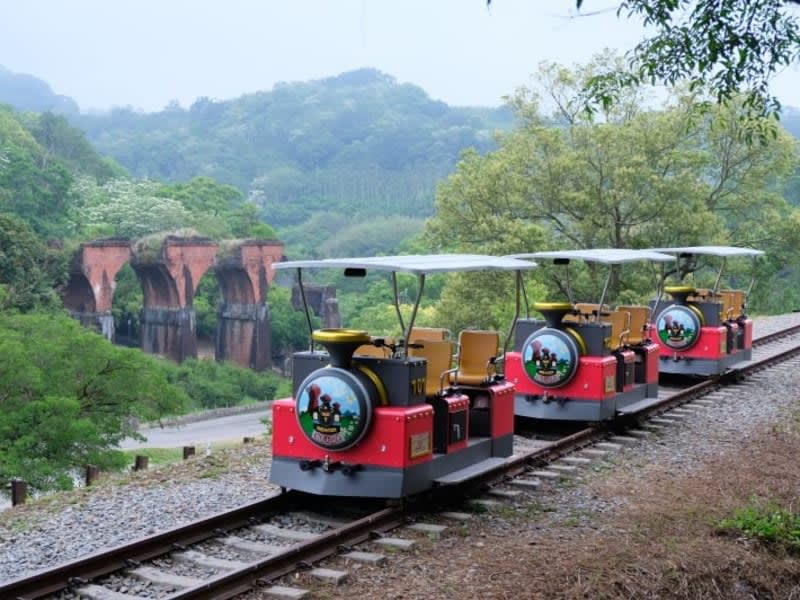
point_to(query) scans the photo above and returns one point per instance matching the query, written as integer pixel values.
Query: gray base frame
(702, 366)
(581, 410)
(382, 482)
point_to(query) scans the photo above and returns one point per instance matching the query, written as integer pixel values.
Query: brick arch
(169, 277)
(90, 289)
(159, 288)
(78, 295)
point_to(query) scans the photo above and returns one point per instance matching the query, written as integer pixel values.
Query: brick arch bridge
(169, 276)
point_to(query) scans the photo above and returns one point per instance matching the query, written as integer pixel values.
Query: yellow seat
(736, 304)
(438, 354)
(571, 318)
(701, 295)
(590, 311)
(739, 303)
(375, 351)
(620, 327)
(478, 351)
(639, 323)
(434, 334)
(726, 307)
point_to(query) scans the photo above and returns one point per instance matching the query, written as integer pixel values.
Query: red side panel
(399, 437)
(595, 379)
(748, 332)
(458, 404)
(710, 345)
(502, 407)
(629, 359)
(651, 363)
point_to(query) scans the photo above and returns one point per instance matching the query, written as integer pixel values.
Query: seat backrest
(477, 353)
(428, 333)
(701, 295)
(736, 298)
(376, 351)
(727, 308)
(739, 302)
(590, 311)
(439, 354)
(571, 318)
(619, 320)
(639, 322)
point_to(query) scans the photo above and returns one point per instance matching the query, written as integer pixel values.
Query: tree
(377, 236)
(491, 301)
(125, 208)
(62, 142)
(288, 327)
(26, 282)
(212, 385)
(637, 178)
(217, 210)
(31, 187)
(67, 398)
(732, 46)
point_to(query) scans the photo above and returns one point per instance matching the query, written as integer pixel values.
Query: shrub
(766, 522)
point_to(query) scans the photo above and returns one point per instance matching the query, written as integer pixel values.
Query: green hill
(359, 145)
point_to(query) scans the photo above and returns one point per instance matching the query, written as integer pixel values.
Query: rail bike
(585, 361)
(703, 330)
(375, 417)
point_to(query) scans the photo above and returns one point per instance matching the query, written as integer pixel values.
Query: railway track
(229, 553)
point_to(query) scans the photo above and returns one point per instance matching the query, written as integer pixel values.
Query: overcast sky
(145, 53)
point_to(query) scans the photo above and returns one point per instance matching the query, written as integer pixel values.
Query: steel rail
(771, 337)
(236, 582)
(104, 562)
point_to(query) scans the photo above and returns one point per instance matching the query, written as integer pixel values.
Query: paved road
(200, 433)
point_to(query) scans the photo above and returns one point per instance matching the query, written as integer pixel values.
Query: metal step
(640, 405)
(469, 472)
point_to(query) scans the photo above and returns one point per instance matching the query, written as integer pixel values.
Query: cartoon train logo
(333, 409)
(550, 357)
(678, 327)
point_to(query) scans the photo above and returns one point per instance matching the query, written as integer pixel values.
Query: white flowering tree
(125, 208)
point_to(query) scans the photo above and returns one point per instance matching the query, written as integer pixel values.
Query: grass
(156, 456)
(766, 522)
(168, 456)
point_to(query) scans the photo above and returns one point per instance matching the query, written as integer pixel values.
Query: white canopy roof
(609, 256)
(416, 264)
(712, 250)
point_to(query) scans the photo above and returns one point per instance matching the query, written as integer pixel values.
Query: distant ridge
(790, 119)
(30, 94)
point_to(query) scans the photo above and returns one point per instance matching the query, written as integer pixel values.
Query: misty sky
(145, 53)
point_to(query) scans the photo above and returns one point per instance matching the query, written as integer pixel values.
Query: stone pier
(322, 300)
(244, 274)
(169, 275)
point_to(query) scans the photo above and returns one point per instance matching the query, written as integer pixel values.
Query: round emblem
(550, 357)
(678, 326)
(333, 408)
